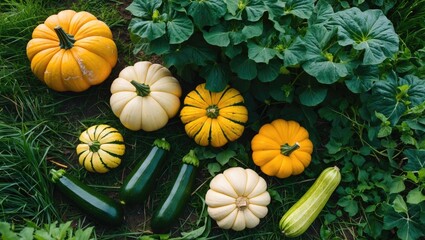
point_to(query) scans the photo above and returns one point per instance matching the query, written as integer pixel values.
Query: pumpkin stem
(66, 41)
(94, 146)
(241, 202)
(286, 150)
(141, 88)
(191, 158)
(213, 111)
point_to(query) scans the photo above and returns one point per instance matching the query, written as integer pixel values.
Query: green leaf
(244, 67)
(323, 12)
(179, 29)
(216, 75)
(268, 72)
(370, 31)
(416, 88)
(223, 35)
(400, 205)
(358, 160)
(214, 168)
(192, 53)
(415, 196)
(233, 51)
(275, 8)
(320, 63)
(224, 156)
(144, 8)
(300, 8)
(26, 233)
(397, 185)
(349, 205)
(293, 50)
(408, 225)
(260, 54)
(217, 35)
(7, 233)
(147, 28)
(385, 131)
(385, 99)
(363, 78)
(207, 13)
(275, 195)
(415, 159)
(254, 9)
(374, 226)
(312, 96)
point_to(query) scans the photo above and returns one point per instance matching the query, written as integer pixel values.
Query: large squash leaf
(363, 78)
(231, 34)
(395, 95)
(406, 219)
(300, 8)
(151, 24)
(369, 31)
(321, 59)
(206, 13)
(254, 9)
(216, 76)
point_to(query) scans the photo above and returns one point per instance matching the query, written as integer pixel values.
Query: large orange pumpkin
(72, 51)
(282, 148)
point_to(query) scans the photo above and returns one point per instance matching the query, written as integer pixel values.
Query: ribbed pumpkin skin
(237, 199)
(145, 96)
(268, 145)
(101, 148)
(88, 62)
(214, 118)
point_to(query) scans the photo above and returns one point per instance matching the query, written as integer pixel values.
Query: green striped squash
(101, 148)
(302, 214)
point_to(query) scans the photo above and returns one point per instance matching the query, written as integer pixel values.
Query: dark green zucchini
(95, 204)
(171, 208)
(138, 184)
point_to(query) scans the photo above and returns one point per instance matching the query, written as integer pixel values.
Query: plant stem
(66, 41)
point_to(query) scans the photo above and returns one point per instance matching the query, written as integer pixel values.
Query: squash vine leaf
(395, 96)
(370, 31)
(300, 8)
(206, 13)
(415, 159)
(406, 219)
(323, 56)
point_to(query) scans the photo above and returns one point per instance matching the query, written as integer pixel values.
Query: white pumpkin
(237, 199)
(145, 96)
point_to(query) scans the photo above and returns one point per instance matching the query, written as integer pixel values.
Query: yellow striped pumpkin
(214, 118)
(101, 148)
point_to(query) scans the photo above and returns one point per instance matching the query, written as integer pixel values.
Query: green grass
(408, 18)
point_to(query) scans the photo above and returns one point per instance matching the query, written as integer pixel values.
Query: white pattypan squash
(237, 199)
(145, 96)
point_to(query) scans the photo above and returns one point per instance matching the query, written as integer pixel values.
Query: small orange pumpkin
(282, 148)
(72, 51)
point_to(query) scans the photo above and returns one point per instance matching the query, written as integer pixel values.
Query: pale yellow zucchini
(302, 214)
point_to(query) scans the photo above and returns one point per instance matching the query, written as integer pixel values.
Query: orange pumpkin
(72, 51)
(282, 148)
